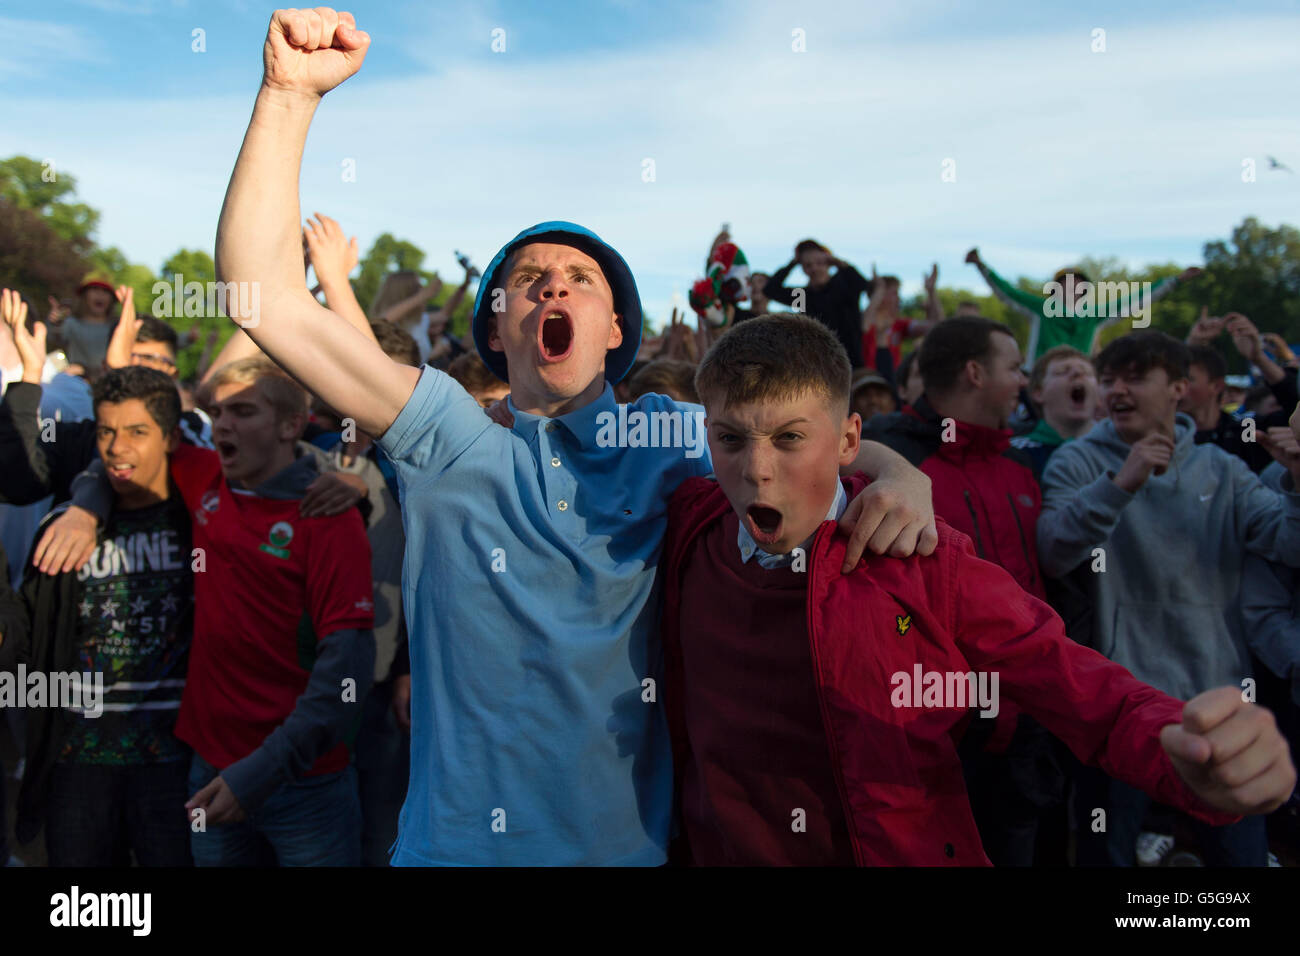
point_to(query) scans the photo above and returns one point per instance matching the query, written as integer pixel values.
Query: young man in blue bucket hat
(537, 736)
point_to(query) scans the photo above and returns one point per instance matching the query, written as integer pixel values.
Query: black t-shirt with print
(135, 622)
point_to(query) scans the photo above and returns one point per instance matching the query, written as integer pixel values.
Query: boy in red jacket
(815, 715)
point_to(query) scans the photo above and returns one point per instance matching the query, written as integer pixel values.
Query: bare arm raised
(307, 54)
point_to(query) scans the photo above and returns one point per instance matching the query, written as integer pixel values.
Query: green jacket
(1047, 331)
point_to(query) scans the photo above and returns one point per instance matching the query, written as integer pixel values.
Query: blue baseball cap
(627, 301)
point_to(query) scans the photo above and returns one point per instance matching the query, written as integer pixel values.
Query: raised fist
(312, 51)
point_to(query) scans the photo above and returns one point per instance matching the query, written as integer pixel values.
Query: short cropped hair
(473, 375)
(397, 343)
(948, 346)
(1209, 359)
(1054, 354)
(156, 330)
(154, 388)
(809, 245)
(774, 358)
(286, 396)
(1139, 352)
(670, 377)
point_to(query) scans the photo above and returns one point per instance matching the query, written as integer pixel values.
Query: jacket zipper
(837, 767)
(979, 542)
(1024, 547)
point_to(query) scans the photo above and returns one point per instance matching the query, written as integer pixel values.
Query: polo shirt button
(948, 851)
(555, 463)
(563, 505)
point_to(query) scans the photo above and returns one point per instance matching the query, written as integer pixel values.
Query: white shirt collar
(749, 547)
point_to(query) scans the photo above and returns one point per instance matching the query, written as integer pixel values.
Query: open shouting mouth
(555, 336)
(763, 523)
(226, 451)
(121, 472)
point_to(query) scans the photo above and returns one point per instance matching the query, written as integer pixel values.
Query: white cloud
(32, 45)
(1060, 152)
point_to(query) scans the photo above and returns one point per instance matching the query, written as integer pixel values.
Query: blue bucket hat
(627, 301)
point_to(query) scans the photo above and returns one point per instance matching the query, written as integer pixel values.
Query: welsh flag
(726, 283)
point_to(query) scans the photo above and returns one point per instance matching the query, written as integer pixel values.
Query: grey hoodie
(1270, 606)
(1166, 605)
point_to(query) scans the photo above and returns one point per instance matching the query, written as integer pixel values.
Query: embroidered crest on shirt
(904, 623)
(280, 535)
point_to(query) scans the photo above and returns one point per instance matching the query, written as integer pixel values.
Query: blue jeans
(315, 821)
(98, 815)
(1239, 844)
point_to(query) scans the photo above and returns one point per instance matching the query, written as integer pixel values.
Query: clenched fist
(1230, 753)
(1152, 453)
(312, 51)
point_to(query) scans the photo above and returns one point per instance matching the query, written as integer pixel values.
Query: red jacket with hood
(896, 767)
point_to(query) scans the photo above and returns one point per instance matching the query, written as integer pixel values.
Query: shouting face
(253, 441)
(1068, 392)
(778, 463)
(556, 327)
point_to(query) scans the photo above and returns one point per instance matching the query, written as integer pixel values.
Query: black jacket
(836, 304)
(34, 468)
(50, 602)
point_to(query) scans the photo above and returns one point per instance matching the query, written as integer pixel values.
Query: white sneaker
(1152, 848)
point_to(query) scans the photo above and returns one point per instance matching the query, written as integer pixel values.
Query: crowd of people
(365, 593)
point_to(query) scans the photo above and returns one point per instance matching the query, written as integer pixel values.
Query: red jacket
(982, 486)
(897, 768)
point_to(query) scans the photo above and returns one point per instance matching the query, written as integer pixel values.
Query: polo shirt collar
(580, 423)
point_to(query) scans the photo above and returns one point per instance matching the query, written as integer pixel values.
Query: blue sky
(1059, 151)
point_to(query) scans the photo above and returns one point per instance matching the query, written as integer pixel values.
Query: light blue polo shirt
(529, 588)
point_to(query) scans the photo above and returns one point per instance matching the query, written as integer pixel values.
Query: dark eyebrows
(130, 426)
(775, 431)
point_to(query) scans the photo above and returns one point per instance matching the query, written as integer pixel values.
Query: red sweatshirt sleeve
(1104, 714)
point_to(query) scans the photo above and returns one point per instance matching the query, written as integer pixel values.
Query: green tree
(1257, 273)
(40, 187)
(35, 260)
(386, 254)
